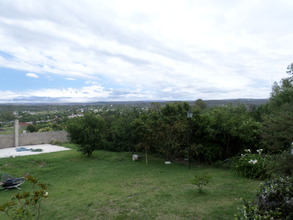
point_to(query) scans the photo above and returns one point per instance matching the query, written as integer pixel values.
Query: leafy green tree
(122, 134)
(163, 130)
(87, 132)
(7, 116)
(290, 69)
(227, 131)
(145, 136)
(278, 119)
(200, 104)
(173, 129)
(31, 128)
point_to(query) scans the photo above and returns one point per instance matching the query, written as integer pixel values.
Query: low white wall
(33, 138)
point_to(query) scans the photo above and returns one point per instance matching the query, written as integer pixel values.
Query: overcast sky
(126, 50)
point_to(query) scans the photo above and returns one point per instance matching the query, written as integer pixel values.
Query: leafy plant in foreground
(26, 205)
(251, 165)
(273, 201)
(200, 181)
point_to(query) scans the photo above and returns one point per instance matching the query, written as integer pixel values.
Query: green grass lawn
(111, 186)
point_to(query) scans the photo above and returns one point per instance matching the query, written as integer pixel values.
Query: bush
(280, 164)
(200, 181)
(251, 165)
(88, 132)
(26, 205)
(55, 142)
(274, 201)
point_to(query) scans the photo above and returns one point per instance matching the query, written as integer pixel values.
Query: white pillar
(16, 132)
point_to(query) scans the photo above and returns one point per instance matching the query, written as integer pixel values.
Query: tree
(227, 131)
(200, 104)
(173, 129)
(290, 69)
(277, 129)
(7, 116)
(87, 132)
(122, 135)
(162, 130)
(145, 135)
(31, 128)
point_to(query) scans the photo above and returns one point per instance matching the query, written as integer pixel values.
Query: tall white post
(16, 132)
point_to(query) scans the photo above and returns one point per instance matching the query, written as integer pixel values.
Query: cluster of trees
(43, 127)
(211, 134)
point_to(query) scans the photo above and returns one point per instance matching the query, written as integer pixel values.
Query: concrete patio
(46, 148)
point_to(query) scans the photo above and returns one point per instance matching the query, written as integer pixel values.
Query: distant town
(49, 117)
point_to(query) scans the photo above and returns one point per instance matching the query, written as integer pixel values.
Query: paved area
(27, 150)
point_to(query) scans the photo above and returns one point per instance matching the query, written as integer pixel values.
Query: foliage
(31, 128)
(200, 181)
(251, 165)
(273, 201)
(226, 131)
(121, 133)
(7, 116)
(163, 130)
(26, 205)
(87, 132)
(290, 69)
(280, 164)
(200, 105)
(277, 131)
(45, 129)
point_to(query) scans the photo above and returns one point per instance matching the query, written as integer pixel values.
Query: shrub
(55, 142)
(26, 205)
(88, 132)
(200, 181)
(273, 201)
(251, 165)
(280, 164)
(45, 129)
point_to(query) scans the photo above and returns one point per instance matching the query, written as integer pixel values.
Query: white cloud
(70, 79)
(32, 75)
(156, 49)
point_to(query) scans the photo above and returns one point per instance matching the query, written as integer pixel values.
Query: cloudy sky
(114, 50)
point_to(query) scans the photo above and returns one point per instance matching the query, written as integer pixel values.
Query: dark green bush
(251, 165)
(280, 164)
(200, 181)
(273, 201)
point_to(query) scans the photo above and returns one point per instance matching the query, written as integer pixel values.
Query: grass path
(110, 186)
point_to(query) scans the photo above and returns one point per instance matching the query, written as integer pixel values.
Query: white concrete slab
(46, 148)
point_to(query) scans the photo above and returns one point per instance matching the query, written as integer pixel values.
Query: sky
(139, 50)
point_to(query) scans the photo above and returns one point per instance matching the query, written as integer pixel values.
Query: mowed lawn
(111, 186)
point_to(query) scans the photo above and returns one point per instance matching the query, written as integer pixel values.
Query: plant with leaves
(26, 205)
(173, 129)
(227, 130)
(277, 126)
(280, 164)
(200, 181)
(251, 165)
(87, 132)
(273, 201)
(122, 137)
(145, 135)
